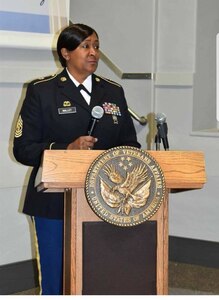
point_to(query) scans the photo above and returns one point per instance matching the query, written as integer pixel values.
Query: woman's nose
(93, 50)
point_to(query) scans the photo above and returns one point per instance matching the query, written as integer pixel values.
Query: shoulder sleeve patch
(108, 80)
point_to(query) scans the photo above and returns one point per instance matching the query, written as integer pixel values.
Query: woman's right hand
(82, 143)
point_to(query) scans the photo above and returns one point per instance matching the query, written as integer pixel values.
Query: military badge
(19, 127)
(66, 103)
(125, 186)
(111, 109)
(63, 79)
(97, 79)
(115, 120)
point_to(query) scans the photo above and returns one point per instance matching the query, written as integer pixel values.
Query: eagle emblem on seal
(125, 192)
(125, 186)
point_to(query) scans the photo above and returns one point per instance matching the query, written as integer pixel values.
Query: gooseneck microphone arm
(157, 141)
(162, 130)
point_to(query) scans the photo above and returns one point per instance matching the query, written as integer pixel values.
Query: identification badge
(67, 110)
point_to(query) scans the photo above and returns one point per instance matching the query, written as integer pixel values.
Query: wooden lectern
(65, 171)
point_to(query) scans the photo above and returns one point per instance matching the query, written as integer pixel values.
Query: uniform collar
(68, 88)
(87, 83)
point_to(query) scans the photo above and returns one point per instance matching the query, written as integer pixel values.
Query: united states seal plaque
(125, 186)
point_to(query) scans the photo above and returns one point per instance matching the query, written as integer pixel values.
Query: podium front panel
(118, 260)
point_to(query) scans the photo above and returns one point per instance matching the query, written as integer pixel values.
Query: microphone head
(97, 112)
(160, 118)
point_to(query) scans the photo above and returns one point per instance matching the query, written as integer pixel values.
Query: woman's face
(83, 61)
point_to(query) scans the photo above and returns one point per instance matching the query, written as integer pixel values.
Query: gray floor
(184, 279)
(192, 279)
(172, 291)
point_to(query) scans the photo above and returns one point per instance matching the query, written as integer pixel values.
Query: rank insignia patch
(111, 109)
(19, 127)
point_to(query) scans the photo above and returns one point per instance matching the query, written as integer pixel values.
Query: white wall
(17, 66)
(160, 36)
(192, 214)
(157, 36)
(204, 113)
(23, 57)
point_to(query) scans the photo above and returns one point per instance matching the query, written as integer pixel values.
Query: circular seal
(125, 186)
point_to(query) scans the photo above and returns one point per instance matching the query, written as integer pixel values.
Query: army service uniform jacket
(53, 114)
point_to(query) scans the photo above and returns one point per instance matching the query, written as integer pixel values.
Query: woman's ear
(65, 53)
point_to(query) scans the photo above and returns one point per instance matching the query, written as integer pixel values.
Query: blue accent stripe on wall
(12, 21)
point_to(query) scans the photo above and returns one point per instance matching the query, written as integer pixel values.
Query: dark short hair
(71, 37)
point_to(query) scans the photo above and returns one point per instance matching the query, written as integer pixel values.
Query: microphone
(96, 114)
(162, 129)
